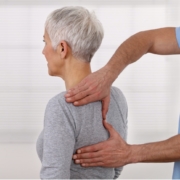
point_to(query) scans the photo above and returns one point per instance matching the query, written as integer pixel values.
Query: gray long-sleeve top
(67, 128)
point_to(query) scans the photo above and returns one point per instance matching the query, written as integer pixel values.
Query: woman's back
(67, 128)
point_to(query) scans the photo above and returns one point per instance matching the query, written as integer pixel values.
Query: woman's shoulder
(118, 95)
(58, 99)
(57, 105)
(116, 91)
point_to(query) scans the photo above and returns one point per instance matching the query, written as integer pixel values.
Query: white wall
(150, 85)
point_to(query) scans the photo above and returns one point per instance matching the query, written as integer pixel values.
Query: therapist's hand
(114, 152)
(94, 87)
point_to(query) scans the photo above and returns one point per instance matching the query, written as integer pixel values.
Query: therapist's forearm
(157, 41)
(163, 151)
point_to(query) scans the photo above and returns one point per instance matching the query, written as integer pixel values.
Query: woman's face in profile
(52, 57)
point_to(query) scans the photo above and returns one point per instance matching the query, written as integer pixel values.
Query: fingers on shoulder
(87, 99)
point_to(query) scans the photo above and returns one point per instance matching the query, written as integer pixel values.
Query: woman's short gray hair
(78, 27)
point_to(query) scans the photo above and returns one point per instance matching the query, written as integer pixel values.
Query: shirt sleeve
(118, 170)
(58, 143)
(124, 110)
(178, 35)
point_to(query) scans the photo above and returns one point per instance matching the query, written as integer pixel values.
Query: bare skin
(115, 152)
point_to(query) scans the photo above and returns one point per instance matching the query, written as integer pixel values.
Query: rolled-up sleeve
(178, 35)
(58, 144)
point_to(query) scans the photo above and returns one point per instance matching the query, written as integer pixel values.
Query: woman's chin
(50, 73)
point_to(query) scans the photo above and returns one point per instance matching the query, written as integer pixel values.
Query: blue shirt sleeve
(178, 35)
(176, 170)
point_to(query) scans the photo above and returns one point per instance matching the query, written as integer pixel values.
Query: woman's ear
(62, 49)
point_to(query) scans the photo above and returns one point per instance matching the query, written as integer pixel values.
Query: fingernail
(77, 161)
(74, 157)
(68, 99)
(76, 103)
(83, 165)
(79, 151)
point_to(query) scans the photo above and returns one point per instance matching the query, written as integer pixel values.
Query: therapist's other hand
(114, 152)
(94, 87)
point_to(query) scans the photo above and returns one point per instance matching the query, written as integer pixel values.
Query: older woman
(72, 36)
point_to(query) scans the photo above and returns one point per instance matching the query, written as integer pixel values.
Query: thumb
(110, 128)
(105, 106)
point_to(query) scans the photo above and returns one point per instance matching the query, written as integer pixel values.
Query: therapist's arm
(116, 152)
(163, 151)
(159, 41)
(96, 86)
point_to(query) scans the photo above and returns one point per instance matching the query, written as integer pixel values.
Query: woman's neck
(75, 71)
